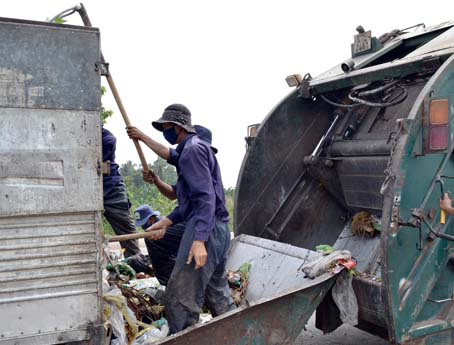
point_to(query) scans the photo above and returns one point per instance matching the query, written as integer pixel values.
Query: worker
(172, 158)
(446, 204)
(116, 203)
(162, 245)
(198, 275)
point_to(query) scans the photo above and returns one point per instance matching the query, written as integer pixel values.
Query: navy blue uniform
(201, 204)
(116, 203)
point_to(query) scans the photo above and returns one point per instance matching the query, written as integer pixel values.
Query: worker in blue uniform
(116, 203)
(162, 245)
(199, 272)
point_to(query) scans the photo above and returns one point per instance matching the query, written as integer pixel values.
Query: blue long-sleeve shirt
(109, 145)
(199, 188)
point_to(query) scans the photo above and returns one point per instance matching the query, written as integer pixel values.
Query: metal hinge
(102, 68)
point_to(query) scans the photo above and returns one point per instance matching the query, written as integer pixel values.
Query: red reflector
(439, 138)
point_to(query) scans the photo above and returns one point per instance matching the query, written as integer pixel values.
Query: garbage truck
(371, 135)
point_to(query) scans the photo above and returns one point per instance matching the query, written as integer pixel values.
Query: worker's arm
(446, 204)
(164, 188)
(161, 150)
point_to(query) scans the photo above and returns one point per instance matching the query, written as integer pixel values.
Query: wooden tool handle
(84, 15)
(121, 238)
(116, 95)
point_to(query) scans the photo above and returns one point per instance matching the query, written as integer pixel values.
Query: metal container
(278, 302)
(50, 184)
(376, 138)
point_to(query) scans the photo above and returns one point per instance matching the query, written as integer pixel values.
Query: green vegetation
(104, 112)
(140, 192)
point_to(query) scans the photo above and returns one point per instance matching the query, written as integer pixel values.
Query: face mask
(171, 135)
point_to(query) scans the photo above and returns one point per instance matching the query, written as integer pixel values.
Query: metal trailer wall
(50, 184)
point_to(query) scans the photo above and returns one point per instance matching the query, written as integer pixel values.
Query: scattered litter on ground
(132, 309)
(363, 223)
(158, 330)
(123, 269)
(133, 302)
(142, 284)
(238, 281)
(140, 263)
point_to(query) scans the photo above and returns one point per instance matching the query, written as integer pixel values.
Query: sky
(225, 60)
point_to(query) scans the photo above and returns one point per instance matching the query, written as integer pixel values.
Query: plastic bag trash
(156, 293)
(205, 317)
(105, 283)
(115, 318)
(157, 331)
(141, 284)
(139, 262)
(125, 326)
(345, 298)
(321, 265)
(122, 268)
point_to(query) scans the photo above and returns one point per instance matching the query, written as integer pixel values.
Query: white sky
(226, 60)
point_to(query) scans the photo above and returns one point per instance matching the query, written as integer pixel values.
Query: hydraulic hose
(398, 100)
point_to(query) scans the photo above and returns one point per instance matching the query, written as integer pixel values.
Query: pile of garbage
(365, 224)
(133, 309)
(238, 281)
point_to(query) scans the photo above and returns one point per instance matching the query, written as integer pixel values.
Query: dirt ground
(344, 335)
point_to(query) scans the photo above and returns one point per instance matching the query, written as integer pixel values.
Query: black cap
(177, 114)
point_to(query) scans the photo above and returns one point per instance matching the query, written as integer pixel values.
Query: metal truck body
(50, 184)
(328, 150)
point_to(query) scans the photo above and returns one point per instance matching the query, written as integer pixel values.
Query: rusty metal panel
(50, 183)
(279, 298)
(49, 161)
(48, 66)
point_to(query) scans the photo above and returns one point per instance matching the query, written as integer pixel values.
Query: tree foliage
(104, 112)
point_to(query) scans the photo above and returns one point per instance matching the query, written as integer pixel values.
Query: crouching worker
(199, 272)
(162, 245)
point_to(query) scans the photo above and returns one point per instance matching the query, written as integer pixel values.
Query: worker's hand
(155, 235)
(149, 176)
(199, 253)
(135, 133)
(158, 229)
(445, 203)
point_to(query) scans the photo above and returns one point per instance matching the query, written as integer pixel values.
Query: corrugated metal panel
(50, 185)
(48, 273)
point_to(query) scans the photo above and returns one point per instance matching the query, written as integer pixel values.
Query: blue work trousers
(188, 289)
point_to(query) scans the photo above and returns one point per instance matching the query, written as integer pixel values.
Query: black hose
(378, 89)
(339, 105)
(443, 236)
(398, 100)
